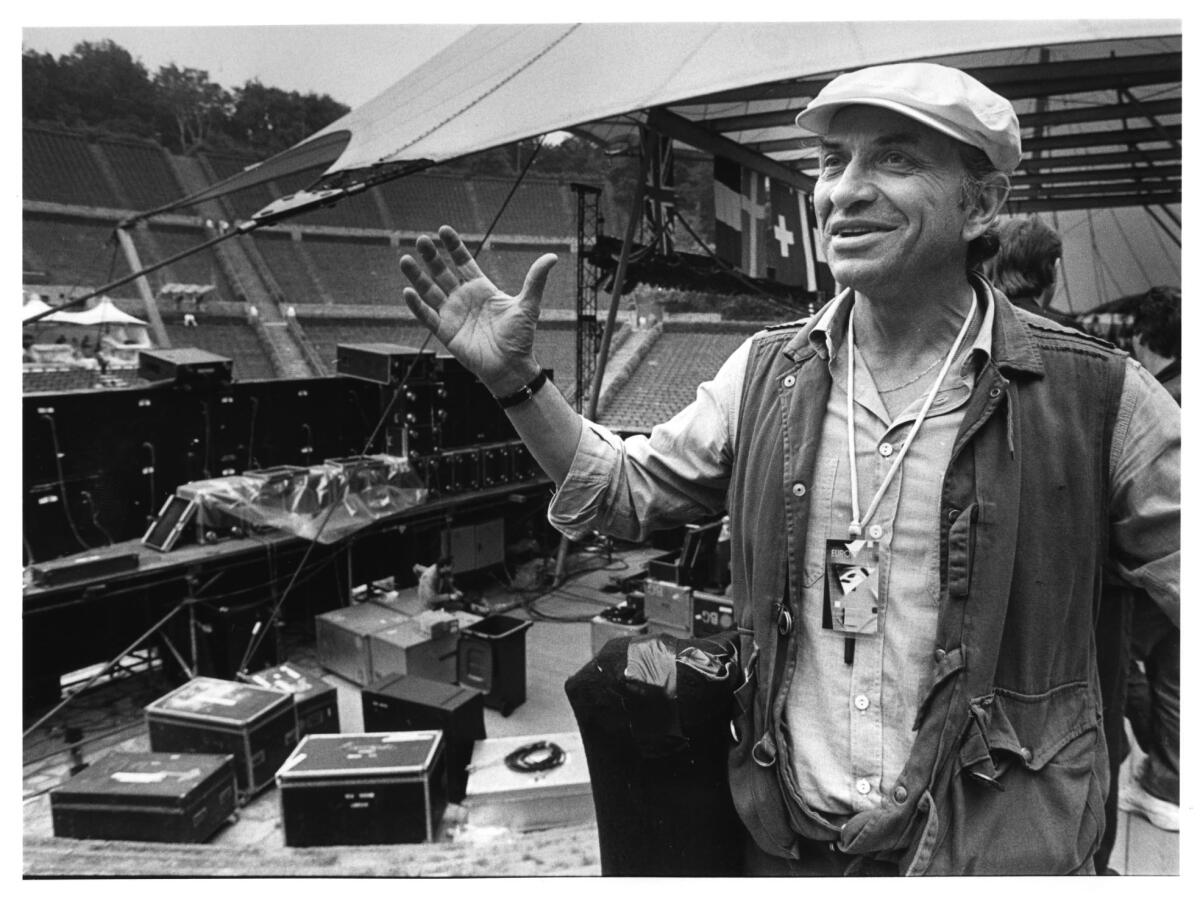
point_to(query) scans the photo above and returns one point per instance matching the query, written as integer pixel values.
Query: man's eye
(831, 163)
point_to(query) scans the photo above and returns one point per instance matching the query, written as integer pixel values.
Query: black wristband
(526, 392)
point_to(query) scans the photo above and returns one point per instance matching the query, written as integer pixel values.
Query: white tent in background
(34, 305)
(104, 312)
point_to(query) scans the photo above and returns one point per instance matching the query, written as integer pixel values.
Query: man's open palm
(488, 331)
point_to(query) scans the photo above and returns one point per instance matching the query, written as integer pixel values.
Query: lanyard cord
(856, 522)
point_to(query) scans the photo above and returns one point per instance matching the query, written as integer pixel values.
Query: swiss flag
(789, 251)
(740, 202)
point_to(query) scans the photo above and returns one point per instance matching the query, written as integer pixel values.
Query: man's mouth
(850, 231)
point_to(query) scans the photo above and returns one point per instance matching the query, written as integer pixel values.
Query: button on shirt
(890, 667)
(680, 474)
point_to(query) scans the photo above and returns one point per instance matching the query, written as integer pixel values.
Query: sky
(350, 63)
(353, 54)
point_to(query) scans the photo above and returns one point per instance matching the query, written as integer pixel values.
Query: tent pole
(634, 220)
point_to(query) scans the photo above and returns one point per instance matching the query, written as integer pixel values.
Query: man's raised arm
(491, 333)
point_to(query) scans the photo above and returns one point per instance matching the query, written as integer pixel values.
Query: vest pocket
(960, 551)
(756, 789)
(1027, 794)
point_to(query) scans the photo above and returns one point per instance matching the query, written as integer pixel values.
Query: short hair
(1157, 320)
(979, 170)
(1024, 265)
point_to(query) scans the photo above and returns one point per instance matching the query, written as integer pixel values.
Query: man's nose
(853, 185)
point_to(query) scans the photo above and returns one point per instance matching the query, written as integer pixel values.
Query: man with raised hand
(922, 484)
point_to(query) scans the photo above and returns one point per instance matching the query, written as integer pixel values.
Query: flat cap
(941, 97)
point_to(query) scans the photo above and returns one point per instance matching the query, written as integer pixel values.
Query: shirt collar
(829, 327)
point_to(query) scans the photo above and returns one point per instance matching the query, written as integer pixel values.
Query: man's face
(889, 203)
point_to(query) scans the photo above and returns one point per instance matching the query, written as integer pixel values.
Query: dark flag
(788, 252)
(823, 282)
(727, 205)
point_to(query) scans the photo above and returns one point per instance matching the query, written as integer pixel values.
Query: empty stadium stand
(59, 167)
(423, 202)
(356, 271)
(143, 173)
(232, 337)
(77, 188)
(73, 250)
(665, 381)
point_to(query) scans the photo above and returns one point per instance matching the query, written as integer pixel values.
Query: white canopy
(35, 306)
(104, 312)
(501, 83)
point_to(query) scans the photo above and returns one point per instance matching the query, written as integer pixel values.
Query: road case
(342, 639)
(208, 715)
(316, 700)
(409, 703)
(383, 788)
(172, 797)
(530, 782)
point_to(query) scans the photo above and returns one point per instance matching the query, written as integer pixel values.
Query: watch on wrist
(526, 392)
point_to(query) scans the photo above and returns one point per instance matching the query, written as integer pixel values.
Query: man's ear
(987, 205)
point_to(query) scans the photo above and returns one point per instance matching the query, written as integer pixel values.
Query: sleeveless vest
(1008, 771)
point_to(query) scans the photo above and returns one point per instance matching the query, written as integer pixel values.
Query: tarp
(502, 83)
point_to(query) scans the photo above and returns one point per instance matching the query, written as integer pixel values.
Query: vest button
(939, 655)
(994, 392)
(784, 622)
(900, 794)
(875, 532)
(952, 515)
(799, 490)
(1026, 754)
(789, 381)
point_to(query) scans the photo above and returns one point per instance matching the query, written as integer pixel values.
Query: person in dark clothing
(1152, 696)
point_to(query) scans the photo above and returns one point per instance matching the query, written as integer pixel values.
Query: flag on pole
(788, 246)
(755, 202)
(741, 203)
(727, 205)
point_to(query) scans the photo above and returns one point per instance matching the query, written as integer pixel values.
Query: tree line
(100, 86)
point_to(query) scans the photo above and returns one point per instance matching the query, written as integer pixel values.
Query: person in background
(1152, 696)
(1027, 266)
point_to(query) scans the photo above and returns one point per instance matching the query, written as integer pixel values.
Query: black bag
(653, 713)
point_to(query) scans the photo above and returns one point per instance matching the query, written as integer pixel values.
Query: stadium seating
(354, 271)
(234, 338)
(422, 202)
(74, 251)
(59, 167)
(197, 268)
(666, 380)
(143, 174)
(539, 207)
